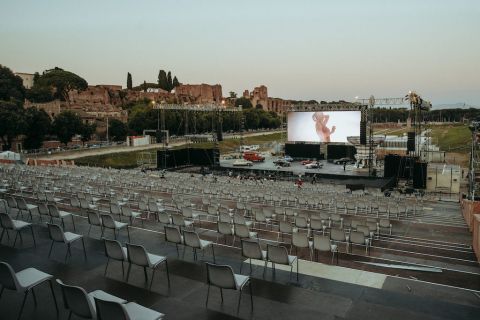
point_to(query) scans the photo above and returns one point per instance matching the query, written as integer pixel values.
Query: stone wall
(200, 93)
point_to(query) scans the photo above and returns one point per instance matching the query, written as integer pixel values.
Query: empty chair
(17, 226)
(137, 255)
(164, 218)
(252, 250)
(12, 204)
(261, 218)
(301, 223)
(188, 213)
(173, 235)
(241, 231)
(383, 210)
(153, 209)
(338, 235)
(372, 227)
(224, 217)
(317, 224)
(23, 206)
(3, 206)
(340, 207)
(225, 229)
(43, 211)
(300, 240)
(93, 220)
(358, 238)
(366, 231)
(87, 206)
(51, 197)
(131, 215)
(192, 240)
(116, 210)
(284, 227)
(56, 234)
(107, 309)
(336, 220)
(80, 303)
(279, 255)
(351, 207)
(385, 224)
(323, 244)
(223, 277)
(109, 223)
(115, 251)
(239, 219)
(55, 213)
(24, 281)
(179, 220)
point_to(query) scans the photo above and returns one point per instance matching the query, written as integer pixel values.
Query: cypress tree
(169, 81)
(129, 81)
(162, 80)
(175, 82)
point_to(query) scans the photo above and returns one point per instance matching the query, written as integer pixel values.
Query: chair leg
(151, 281)
(128, 271)
(1, 237)
(128, 234)
(241, 265)
(34, 297)
(239, 300)
(123, 271)
(168, 273)
(84, 251)
(297, 269)
(145, 274)
(208, 293)
(213, 254)
(23, 304)
(89, 228)
(1, 291)
(251, 294)
(70, 315)
(106, 267)
(15, 241)
(73, 222)
(68, 252)
(221, 294)
(33, 237)
(63, 224)
(51, 247)
(53, 295)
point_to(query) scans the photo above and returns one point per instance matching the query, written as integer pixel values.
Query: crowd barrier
(471, 213)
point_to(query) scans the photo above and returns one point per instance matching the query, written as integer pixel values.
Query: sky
(323, 50)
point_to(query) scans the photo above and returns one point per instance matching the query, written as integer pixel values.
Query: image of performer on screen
(323, 131)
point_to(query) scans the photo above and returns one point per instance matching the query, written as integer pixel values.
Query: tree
(36, 76)
(259, 106)
(11, 86)
(145, 86)
(117, 130)
(175, 82)
(129, 81)
(39, 94)
(169, 82)
(232, 95)
(62, 81)
(67, 124)
(244, 102)
(162, 80)
(38, 125)
(12, 122)
(86, 131)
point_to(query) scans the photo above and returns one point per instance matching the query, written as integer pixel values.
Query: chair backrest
(108, 221)
(164, 218)
(137, 255)
(191, 239)
(251, 249)
(321, 243)
(6, 221)
(187, 212)
(241, 231)
(126, 211)
(238, 219)
(316, 224)
(94, 219)
(3, 206)
(152, 206)
(337, 234)
(110, 310)
(21, 204)
(114, 208)
(357, 237)
(384, 223)
(178, 219)
(277, 254)
(12, 203)
(301, 222)
(113, 249)
(221, 276)
(77, 301)
(42, 209)
(364, 230)
(53, 210)
(56, 232)
(300, 240)
(224, 228)
(285, 226)
(372, 226)
(172, 234)
(8, 278)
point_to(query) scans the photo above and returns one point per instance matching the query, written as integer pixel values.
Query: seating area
(108, 225)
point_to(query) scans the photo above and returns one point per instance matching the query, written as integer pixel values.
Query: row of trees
(164, 82)
(444, 115)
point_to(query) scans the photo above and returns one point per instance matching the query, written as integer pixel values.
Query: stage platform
(331, 173)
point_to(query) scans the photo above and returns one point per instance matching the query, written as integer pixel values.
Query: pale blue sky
(325, 50)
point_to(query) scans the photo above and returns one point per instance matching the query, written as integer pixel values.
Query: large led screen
(321, 126)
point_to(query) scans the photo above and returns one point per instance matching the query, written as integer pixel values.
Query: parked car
(313, 165)
(288, 158)
(304, 162)
(242, 163)
(281, 163)
(253, 156)
(344, 161)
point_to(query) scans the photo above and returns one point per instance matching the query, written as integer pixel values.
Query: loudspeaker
(411, 141)
(391, 166)
(420, 175)
(363, 132)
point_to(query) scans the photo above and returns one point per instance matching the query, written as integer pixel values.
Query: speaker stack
(411, 142)
(363, 132)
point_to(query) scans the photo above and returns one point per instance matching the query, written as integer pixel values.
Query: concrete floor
(277, 296)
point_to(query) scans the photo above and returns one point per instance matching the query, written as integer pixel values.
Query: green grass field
(128, 160)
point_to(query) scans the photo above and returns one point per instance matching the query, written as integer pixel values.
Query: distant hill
(458, 105)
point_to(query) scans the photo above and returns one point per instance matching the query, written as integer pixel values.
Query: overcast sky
(324, 50)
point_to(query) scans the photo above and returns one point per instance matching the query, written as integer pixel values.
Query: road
(75, 154)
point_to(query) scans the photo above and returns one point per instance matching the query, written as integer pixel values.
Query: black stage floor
(274, 297)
